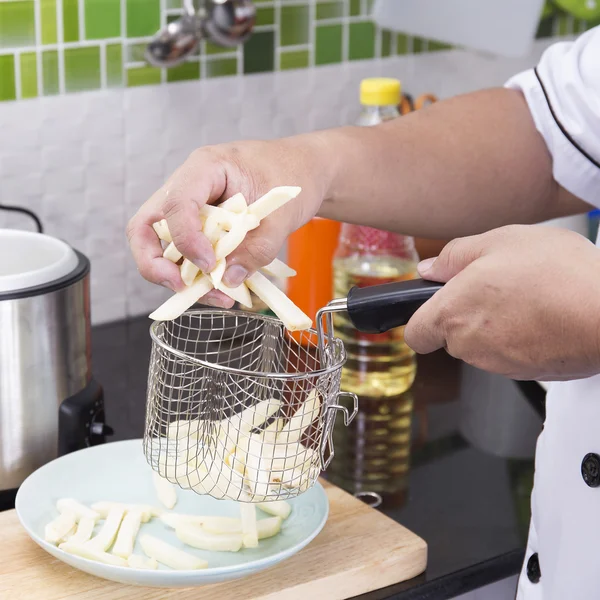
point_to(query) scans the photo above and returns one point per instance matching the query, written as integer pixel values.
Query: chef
(520, 300)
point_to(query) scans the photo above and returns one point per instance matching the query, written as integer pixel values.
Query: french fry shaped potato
(80, 510)
(146, 511)
(208, 523)
(189, 271)
(277, 268)
(162, 231)
(291, 316)
(239, 294)
(235, 236)
(165, 491)
(197, 537)
(170, 555)
(273, 200)
(60, 528)
(308, 412)
(93, 553)
(288, 457)
(106, 536)
(185, 428)
(259, 463)
(221, 482)
(217, 273)
(171, 253)
(220, 524)
(181, 301)
(252, 417)
(277, 508)
(84, 531)
(236, 204)
(135, 561)
(249, 530)
(127, 533)
(267, 528)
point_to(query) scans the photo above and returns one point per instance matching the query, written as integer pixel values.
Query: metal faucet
(225, 23)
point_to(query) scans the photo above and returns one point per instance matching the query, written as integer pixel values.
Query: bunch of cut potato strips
(226, 226)
(76, 531)
(256, 454)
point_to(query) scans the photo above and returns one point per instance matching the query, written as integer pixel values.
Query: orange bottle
(310, 253)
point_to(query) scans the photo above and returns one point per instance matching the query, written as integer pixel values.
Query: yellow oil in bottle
(378, 365)
(373, 453)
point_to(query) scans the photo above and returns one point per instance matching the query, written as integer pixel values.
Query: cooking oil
(378, 365)
(373, 454)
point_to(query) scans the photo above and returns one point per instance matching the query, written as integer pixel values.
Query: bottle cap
(380, 91)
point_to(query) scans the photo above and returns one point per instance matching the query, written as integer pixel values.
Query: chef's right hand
(215, 173)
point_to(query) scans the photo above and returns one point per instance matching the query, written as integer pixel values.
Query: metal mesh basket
(238, 407)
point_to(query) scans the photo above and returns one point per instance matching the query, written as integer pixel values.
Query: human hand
(521, 301)
(216, 173)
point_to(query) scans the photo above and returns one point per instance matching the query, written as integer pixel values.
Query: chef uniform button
(533, 568)
(590, 469)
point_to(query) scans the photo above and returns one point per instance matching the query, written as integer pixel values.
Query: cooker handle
(378, 308)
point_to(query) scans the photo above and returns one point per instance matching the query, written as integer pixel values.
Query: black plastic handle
(379, 308)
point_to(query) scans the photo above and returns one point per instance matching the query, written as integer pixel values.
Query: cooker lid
(32, 259)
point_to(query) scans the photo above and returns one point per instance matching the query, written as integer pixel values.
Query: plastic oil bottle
(373, 454)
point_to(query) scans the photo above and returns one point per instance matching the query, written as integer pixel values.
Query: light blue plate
(119, 472)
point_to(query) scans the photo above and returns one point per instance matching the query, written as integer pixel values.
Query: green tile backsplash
(50, 47)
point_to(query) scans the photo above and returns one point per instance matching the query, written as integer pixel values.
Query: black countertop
(468, 486)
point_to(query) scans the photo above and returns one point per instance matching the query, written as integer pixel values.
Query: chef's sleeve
(563, 94)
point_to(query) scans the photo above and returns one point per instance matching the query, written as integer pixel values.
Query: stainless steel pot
(49, 403)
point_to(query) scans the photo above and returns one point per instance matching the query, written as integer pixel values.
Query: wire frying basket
(238, 407)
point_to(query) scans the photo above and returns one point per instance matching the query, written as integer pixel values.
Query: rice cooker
(49, 402)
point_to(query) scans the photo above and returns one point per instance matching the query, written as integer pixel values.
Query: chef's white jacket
(563, 551)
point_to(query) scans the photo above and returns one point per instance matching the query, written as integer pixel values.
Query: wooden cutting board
(359, 550)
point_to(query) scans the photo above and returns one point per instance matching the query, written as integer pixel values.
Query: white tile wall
(85, 162)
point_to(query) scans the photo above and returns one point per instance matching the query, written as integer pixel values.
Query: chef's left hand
(522, 301)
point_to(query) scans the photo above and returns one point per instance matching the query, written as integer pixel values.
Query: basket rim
(157, 325)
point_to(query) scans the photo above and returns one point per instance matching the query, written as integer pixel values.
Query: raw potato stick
(249, 531)
(217, 273)
(309, 411)
(127, 533)
(197, 537)
(185, 428)
(239, 294)
(259, 463)
(147, 511)
(106, 536)
(80, 510)
(84, 531)
(220, 218)
(268, 527)
(169, 555)
(277, 508)
(171, 253)
(92, 553)
(165, 490)
(236, 204)
(189, 271)
(235, 236)
(291, 316)
(57, 530)
(135, 561)
(162, 231)
(208, 523)
(273, 200)
(181, 301)
(278, 268)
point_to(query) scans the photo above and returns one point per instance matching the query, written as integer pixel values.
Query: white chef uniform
(563, 551)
